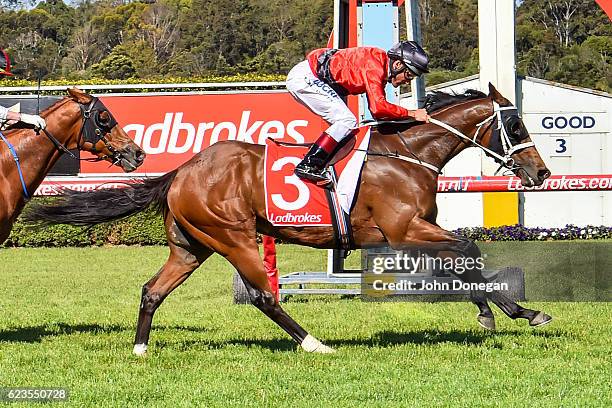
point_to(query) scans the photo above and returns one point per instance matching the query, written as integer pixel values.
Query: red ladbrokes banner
(173, 128)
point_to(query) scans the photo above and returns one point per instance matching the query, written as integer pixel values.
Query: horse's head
(101, 135)
(508, 137)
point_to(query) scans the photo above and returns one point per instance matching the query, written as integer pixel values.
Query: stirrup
(322, 179)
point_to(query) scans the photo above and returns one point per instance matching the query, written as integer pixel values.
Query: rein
(16, 159)
(58, 145)
(506, 161)
(99, 130)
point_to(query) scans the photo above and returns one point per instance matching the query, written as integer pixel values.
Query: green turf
(557, 270)
(67, 318)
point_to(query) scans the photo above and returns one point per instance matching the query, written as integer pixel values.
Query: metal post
(413, 32)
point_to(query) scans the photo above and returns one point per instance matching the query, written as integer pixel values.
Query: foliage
(117, 65)
(161, 40)
(146, 228)
(565, 41)
(522, 233)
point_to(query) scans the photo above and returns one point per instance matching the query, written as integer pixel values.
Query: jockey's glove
(33, 120)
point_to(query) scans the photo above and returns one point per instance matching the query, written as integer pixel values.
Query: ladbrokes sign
(172, 128)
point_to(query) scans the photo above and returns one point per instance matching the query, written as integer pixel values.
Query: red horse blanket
(291, 201)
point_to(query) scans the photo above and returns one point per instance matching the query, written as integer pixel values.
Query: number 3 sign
(291, 201)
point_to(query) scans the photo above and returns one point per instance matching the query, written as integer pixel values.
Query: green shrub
(145, 228)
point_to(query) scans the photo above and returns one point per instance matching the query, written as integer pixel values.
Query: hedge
(146, 228)
(137, 81)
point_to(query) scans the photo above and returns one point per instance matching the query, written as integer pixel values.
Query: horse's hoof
(540, 320)
(312, 345)
(140, 350)
(487, 323)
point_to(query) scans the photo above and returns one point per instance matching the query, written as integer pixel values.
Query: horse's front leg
(423, 234)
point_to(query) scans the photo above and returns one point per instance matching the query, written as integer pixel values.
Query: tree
(552, 42)
(448, 39)
(117, 65)
(83, 51)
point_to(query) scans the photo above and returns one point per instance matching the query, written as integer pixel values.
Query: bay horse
(215, 203)
(26, 156)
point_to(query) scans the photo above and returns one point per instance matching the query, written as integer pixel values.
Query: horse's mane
(438, 100)
(434, 101)
(55, 105)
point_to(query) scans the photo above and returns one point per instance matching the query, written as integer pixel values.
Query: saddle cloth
(291, 201)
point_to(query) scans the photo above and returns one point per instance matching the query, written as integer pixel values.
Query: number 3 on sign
(561, 147)
(303, 191)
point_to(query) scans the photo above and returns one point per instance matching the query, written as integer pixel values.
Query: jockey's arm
(35, 120)
(379, 106)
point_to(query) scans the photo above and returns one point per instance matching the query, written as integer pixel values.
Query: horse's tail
(86, 208)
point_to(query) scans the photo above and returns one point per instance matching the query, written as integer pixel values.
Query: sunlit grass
(67, 318)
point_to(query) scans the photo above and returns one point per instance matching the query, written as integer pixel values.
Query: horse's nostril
(543, 174)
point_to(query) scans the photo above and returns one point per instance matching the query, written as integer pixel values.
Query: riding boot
(313, 166)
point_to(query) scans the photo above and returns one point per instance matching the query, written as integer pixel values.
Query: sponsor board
(567, 182)
(601, 182)
(171, 129)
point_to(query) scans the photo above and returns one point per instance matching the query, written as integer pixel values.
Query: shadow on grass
(394, 338)
(465, 337)
(275, 345)
(35, 334)
(380, 339)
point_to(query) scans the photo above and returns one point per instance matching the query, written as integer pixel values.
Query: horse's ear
(79, 96)
(496, 96)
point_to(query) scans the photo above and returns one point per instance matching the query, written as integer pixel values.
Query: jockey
(327, 75)
(10, 117)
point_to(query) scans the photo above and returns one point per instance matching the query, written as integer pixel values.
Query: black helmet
(412, 55)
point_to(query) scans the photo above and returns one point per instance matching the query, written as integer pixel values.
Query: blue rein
(16, 158)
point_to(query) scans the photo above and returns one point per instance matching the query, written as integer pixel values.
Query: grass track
(67, 318)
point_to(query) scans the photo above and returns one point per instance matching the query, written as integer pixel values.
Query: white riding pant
(3, 112)
(320, 98)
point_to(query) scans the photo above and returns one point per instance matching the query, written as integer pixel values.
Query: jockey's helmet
(412, 55)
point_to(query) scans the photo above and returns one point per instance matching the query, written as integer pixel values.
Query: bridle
(93, 130)
(500, 133)
(499, 120)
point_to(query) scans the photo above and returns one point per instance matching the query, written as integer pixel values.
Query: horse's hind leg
(430, 237)
(516, 311)
(183, 260)
(468, 249)
(248, 263)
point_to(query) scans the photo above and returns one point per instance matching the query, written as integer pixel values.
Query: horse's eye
(103, 118)
(513, 126)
